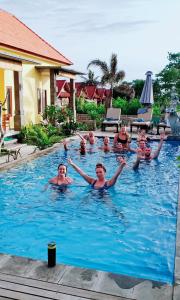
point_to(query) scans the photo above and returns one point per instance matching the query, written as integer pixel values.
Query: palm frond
(113, 64)
(119, 76)
(98, 63)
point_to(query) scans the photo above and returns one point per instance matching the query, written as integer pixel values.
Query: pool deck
(27, 279)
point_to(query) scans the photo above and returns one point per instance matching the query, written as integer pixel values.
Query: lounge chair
(144, 119)
(112, 118)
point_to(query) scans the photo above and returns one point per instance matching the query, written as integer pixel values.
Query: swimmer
(100, 182)
(142, 136)
(122, 137)
(106, 146)
(89, 137)
(61, 178)
(82, 150)
(147, 153)
(142, 147)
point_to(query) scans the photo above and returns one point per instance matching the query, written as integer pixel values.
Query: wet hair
(99, 165)
(64, 166)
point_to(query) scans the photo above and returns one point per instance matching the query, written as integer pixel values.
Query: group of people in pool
(121, 145)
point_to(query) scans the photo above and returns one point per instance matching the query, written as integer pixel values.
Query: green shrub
(69, 128)
(156, 110)
(55, 114)
(127, 107)
(84, 107)
(133, 106)
(39, 135)
(82, 126)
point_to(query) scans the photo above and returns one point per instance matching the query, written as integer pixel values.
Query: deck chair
(112, 118)
(144, 119)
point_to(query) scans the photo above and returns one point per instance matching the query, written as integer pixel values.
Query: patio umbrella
(147, 92)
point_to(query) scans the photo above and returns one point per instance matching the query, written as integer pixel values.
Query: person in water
(82, 149)
(121, 137)
(147, 153)
(142, 136)
(89, 137)
(142, 147)
(106, 144)
(61, 178)
(100, 182)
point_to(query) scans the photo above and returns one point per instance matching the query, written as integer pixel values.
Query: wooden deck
(19, 288)
(28, 279)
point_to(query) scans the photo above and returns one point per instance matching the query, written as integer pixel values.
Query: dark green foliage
(69, 128)
(39, 135)
(127, 108)
(169, 77)
(138, 85)
(84, 107)
(55, 114)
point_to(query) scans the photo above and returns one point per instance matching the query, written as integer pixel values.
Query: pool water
(128, 229)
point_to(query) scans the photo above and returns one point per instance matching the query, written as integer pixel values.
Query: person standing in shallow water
(61, 178)
(100, 182)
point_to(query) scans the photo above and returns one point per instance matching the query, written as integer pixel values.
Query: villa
(89, 93)
(28, 69)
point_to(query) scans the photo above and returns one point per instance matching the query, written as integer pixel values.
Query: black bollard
(51, 254)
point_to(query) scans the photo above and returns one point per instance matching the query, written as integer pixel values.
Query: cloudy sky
(141, 32)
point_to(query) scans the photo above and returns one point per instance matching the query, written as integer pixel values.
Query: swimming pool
(129, 229)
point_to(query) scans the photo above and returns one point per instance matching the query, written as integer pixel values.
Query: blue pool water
(129, 229)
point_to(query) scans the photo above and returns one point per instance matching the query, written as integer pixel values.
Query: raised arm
(156, 153)
(89, 179)
(138, 159)
(112, 181)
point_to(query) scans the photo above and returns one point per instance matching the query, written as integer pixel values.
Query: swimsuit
(105, 186)
(119, 140)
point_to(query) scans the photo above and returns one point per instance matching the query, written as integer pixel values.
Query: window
(9, 100)
(44, 99)
(39, 100)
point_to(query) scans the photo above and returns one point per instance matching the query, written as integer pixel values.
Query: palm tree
(110, 74)
(90, 79)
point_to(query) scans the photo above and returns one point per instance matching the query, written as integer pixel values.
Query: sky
(140, 32)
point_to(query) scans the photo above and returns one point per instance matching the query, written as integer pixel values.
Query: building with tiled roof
(28, 69)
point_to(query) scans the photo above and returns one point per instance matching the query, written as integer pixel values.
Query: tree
(138, 85)
(91, 79)
(125, 91)
(169, 77)
(110, 74)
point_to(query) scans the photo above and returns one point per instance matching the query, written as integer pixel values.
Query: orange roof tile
(15, 34)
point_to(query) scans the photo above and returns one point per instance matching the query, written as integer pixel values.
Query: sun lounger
(112, 119)
(144, 119)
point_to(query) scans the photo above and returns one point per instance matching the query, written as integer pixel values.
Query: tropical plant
(168, 78)
(110, 74)
(69, 128)
(39, 135)
(91, 79)
(138, 85)
(156, 110)
(50, 114)
(127, 107)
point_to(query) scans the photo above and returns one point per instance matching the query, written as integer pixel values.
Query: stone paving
(86, 280)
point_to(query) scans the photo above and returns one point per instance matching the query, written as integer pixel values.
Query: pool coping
(91, 280)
